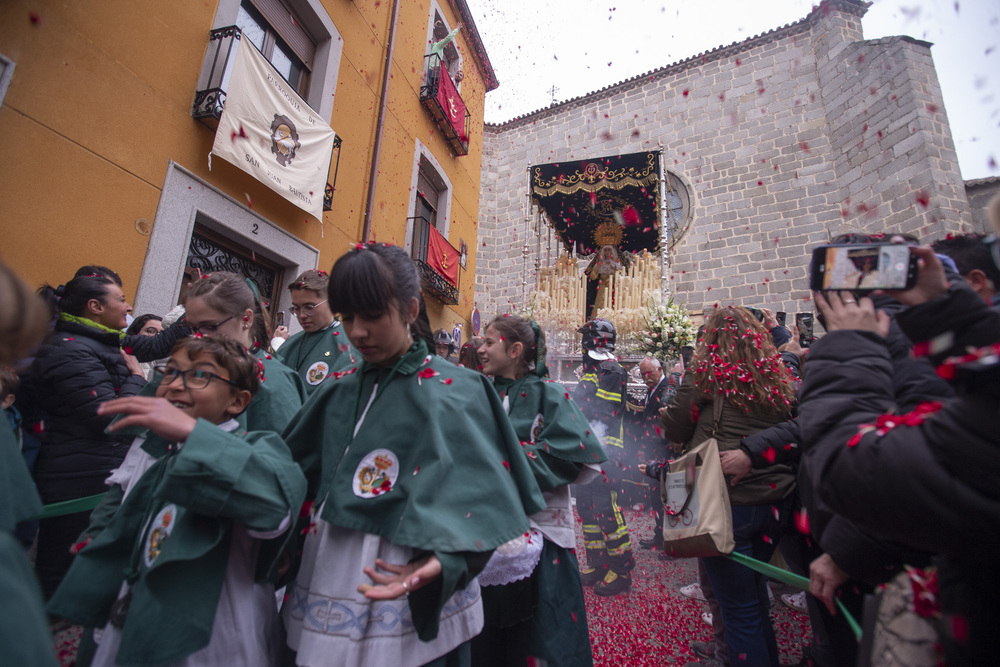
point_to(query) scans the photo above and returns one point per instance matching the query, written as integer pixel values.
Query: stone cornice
(854, 7)
(478, 49)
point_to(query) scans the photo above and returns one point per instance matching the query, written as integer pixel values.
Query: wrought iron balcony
(332, 187)
(435, 283)
(440, 97)
(210, 99)
(211, 96)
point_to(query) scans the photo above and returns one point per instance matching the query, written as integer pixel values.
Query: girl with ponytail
(222, 304)
(541, 615)
(418, 478)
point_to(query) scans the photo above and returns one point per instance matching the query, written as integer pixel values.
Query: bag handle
(690, 480)
(691, 462)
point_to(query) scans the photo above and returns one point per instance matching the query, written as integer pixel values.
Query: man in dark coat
(648, 436)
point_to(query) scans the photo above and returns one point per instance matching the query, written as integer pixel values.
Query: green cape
(461, 482)
(24, 629)
(280, 396)
(215, 479)
(303, 350)
(18, 496)
(552, 429)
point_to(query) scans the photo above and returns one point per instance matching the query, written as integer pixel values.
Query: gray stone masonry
(980, 192)
(780, 143)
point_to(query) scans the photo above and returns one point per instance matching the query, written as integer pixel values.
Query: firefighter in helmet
(601, 395)
(444, 345)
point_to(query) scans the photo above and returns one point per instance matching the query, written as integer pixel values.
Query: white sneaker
(707, 617)
(693, 591)
(796, 601)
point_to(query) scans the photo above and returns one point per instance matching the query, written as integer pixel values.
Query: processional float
(607, 245)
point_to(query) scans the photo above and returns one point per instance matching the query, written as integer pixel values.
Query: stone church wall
(779, 143)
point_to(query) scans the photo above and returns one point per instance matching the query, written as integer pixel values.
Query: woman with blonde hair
(737, 368)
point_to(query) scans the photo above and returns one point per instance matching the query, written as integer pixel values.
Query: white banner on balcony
(268, 131)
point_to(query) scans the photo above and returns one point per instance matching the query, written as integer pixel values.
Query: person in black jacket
(926, 478)
(660, 390)
(144, 347)
(80, 367)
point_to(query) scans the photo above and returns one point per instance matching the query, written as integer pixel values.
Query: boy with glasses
(321, 347)
(183, 566)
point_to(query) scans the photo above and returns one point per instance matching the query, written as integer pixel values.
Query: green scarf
(83, 321)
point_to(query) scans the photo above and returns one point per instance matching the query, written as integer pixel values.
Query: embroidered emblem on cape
(536, 427)
(376, 474)
(317, 372)
(159, 531)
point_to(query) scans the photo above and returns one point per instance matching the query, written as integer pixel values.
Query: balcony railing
(435, 284)
(211, 96)
(440, 97)
(210, 99)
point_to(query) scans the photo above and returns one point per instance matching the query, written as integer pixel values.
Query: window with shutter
(298, 37)
(272, 28)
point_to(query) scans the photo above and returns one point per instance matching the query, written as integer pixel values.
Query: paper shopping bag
(698, 521)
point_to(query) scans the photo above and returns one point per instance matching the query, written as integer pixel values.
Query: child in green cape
(178, 575)
(532, 592)
(24, 629)
(222, 303)
(322, 346)
(418, 476)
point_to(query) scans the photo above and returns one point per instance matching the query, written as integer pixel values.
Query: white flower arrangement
(668, 329)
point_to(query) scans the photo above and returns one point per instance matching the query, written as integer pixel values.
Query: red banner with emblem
(442, 256)
(451, 102)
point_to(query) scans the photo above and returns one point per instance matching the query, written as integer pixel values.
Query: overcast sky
(580, 46)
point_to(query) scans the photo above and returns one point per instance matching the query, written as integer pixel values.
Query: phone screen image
(804, 321)
(687, 352)
(866, 267)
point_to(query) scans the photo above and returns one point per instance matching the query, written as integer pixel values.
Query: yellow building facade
(106, 163)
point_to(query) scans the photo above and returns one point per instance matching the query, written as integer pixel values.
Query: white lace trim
(514, 560)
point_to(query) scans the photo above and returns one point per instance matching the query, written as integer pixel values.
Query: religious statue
(606, 262)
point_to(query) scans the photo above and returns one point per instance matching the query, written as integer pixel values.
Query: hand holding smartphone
(863, 268)
(804, 322)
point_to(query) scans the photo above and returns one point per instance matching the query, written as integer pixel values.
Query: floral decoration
(668, 329)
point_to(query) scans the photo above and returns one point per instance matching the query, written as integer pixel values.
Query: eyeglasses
(208, 329)
(306, 309)
(150, 331)
(193, 378)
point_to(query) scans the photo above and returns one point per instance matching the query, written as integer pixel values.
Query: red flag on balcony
(442, 256)
(451, 102)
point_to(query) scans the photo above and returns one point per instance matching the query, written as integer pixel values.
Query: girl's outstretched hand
(399, 580)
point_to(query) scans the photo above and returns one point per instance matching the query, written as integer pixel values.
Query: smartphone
(758, 313)
(863, 268)
(687, 352)
(780, 316)
(281, 318)
(804, 321)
